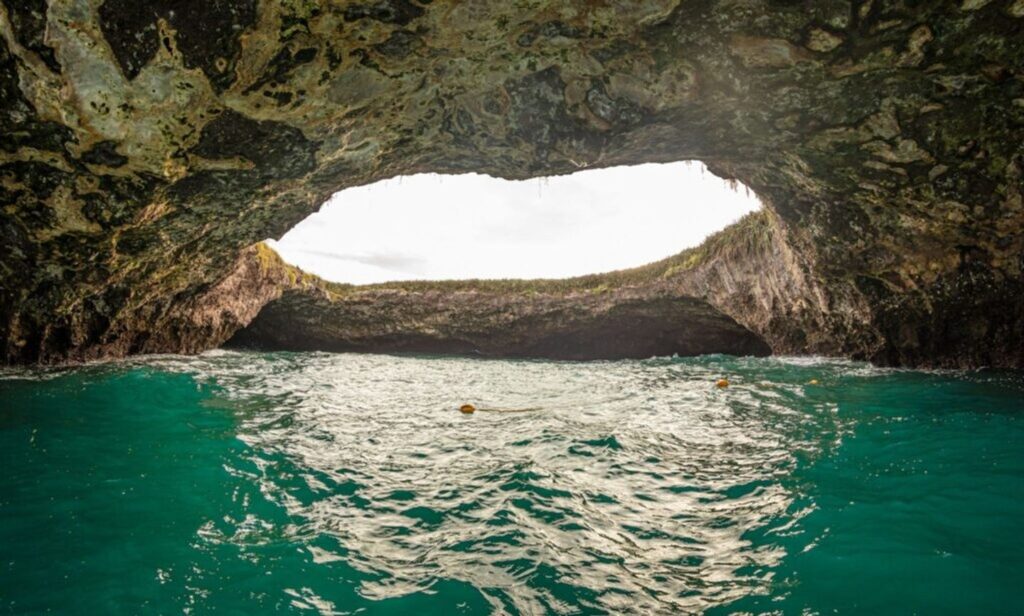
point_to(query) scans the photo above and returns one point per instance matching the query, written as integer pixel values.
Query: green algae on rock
(144, 146)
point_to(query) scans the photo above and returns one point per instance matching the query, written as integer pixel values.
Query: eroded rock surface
(710, 299)
(144, 145)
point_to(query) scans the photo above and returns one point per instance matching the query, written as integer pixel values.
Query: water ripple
(351, 483)
(634, 488)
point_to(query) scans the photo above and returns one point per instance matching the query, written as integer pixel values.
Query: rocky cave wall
(144, 145)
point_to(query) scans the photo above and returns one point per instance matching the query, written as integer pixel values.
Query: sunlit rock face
(143, 145)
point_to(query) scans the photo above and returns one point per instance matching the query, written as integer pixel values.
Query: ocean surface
(310, 483)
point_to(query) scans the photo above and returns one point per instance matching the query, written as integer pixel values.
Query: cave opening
(623, 262)
(472, 226)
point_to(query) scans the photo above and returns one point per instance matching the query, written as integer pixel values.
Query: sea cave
(819, 408)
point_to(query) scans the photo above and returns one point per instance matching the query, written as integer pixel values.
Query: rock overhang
(884, 137)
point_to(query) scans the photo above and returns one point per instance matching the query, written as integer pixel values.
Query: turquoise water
(336, 484)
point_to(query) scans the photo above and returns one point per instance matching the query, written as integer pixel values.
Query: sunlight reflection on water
(636, 485)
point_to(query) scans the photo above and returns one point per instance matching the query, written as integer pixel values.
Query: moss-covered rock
(143, 145)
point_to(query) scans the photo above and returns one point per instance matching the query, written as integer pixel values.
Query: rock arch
(143, 146)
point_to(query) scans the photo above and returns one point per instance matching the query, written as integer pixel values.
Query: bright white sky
(433, 226)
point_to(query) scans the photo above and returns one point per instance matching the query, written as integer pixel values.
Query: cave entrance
(601, 264)
(438, 227)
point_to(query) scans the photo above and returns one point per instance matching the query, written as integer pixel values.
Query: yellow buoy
(722, 383)
(468, 409)
(812, 382)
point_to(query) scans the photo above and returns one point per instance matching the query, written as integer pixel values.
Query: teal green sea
(234, 483)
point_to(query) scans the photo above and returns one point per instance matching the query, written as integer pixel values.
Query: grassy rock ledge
(658, 309)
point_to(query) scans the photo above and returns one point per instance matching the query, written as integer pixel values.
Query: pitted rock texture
(143, 145)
